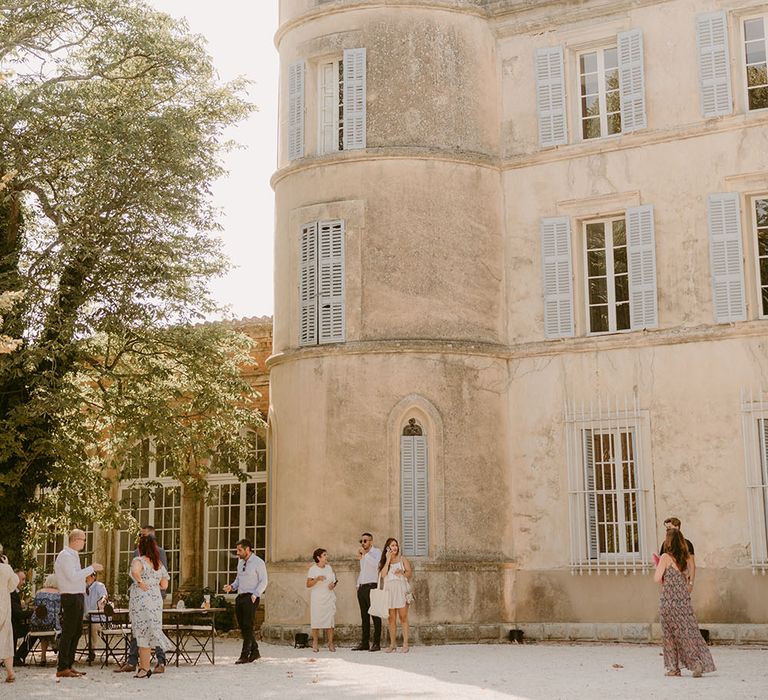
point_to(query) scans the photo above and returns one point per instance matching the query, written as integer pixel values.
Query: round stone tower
(389, 376)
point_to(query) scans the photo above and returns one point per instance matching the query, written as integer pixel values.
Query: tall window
(760, 222)
(611, 490)
(599, 91)
(610, 505)
(755, 433)
(755, 49)
(414, 490)
(607, 276)
(331, 108)
(235, 510)
(153, 499)
(321, 283)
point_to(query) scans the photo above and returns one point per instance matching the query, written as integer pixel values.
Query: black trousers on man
(72, 608)
(364, 601)
(245, 611)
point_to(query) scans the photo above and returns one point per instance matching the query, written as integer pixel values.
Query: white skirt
(396, 588)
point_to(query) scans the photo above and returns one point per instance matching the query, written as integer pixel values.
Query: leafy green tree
(112, 124)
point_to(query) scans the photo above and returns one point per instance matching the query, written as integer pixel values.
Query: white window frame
(335, 93)
(610, 275)
(172, 551)
(754, 416)
(609, 418)
(217, 480)
(758, 280)
(743, 46)
(601, 91)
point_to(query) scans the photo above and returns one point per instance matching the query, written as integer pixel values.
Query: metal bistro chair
(197, 638)
(115, 632)
(43, 633)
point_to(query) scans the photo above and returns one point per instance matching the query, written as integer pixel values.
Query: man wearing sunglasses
(369, 578)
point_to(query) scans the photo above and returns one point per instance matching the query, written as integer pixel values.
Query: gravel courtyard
(526, 672)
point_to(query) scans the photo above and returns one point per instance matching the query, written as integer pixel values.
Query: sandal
(315, 649)
(331, 647)
(10, 678)
(405, 650)
(389, 650)
(674, 672)
(143, 673)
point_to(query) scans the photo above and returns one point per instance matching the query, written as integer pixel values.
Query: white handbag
(379, 602)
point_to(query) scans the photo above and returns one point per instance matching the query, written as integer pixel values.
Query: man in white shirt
(71, 581)
(369, 557)
(249, 584)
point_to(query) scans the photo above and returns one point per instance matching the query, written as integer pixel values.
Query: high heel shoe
(143, 673)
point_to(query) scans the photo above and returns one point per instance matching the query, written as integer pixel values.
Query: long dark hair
(148, 548)
(677, 548)
(383, 559)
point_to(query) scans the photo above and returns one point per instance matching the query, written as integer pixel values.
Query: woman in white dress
(397, 572)
(322, 604)
(8, 582)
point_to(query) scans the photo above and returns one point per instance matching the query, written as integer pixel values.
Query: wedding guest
(19, 619)
(9, 581)
(682, 642)
(71, 580)
(249, 584)
(673, 523)
(397, 572)
(48, 599)
(133, 651)
(96, 597)
(322, 604)
(366, 580)
(145, 605)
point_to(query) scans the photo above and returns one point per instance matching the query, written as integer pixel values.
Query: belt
(369, 585)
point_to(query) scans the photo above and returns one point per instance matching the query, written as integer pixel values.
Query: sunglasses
(363, 541)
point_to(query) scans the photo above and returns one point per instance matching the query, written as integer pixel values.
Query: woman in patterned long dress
(145, 607)
(683, 643)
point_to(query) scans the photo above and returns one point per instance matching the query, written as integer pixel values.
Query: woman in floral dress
(683, 643)
(145, 606)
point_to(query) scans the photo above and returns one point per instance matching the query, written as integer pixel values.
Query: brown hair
(674, 522)
(677, 548)
(148, 548)
(383, 559)
(318, 553)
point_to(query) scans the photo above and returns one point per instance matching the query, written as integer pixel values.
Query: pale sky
(240, 39)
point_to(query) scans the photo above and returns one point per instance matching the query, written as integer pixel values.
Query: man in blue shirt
(249, 584)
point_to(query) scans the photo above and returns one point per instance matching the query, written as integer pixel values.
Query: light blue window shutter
(407, 499)
(308, 285)
(557, 277)
(331, 281)
(354, 98)
(550, 96)
(590, 505)
(726, 259)
(421, 497)
(631, 80)
(641, 258)
(296, 110)
(714, 64)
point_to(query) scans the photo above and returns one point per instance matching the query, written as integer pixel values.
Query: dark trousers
(245, 610)
(72, 607)
(364, 600)
(133, 654)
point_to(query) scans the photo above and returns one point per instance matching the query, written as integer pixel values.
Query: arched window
(414, 490)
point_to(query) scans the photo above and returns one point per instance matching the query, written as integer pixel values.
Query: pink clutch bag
(655, 559)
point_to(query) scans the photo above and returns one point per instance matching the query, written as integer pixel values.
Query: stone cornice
(573, 151)
(548, 348)
(526, 15)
